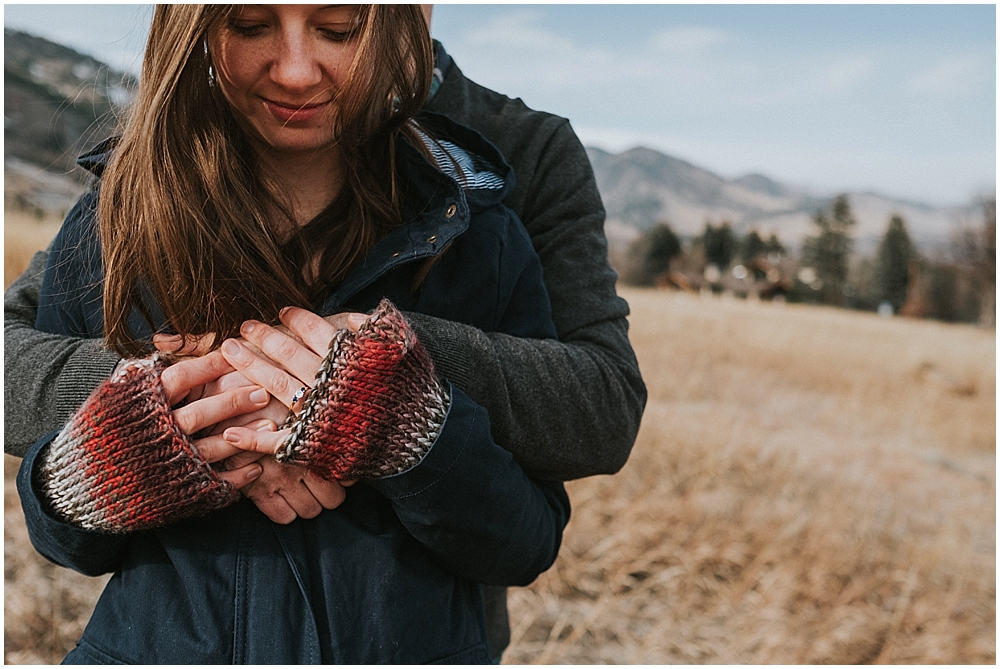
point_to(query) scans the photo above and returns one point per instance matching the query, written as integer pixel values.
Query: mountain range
(58, 102)
(641, 187)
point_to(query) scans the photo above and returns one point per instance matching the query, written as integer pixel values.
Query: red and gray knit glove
(376, 406)
(122, 463)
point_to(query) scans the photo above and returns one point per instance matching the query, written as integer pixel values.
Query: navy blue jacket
(394, 574)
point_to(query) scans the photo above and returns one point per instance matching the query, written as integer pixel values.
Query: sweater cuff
(450, 346)
(84, 370)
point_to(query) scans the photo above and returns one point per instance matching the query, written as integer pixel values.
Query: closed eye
(247, 29)
(337, 35)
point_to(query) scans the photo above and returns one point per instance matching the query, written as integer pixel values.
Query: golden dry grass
(23, 234)
(809, 485)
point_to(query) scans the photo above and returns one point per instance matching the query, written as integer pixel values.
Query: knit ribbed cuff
(376, 406)
(84, 370)
(450, 346)
(122, 463)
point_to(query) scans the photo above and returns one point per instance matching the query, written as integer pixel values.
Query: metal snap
(450, 211)
(432, 239)
(397, 254)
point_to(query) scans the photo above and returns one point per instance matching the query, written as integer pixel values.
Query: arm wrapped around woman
(376, 406)
(123, 464)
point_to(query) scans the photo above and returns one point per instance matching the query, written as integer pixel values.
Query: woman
(273, 159)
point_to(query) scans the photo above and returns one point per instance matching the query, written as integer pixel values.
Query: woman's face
(280, 67)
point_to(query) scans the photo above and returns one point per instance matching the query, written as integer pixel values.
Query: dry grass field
(809, 486)
(24, 234)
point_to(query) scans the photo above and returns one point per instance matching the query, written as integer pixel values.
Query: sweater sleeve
(46, 376)
(546, 399)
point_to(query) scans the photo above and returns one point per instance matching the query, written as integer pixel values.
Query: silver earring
(211, 70)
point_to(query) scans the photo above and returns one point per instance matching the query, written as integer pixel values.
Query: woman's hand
(286, 363)
(188, 378)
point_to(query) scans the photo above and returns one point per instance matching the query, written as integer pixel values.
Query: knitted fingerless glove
(376, 406)
(122, 463)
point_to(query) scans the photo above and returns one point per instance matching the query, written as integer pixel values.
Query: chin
(294, 145)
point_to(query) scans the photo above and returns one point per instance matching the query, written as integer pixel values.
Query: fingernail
(356, 320)
(258, 396)
(266, 426)
(248, 327)
(231, 437)
(284, 310)
(254, 472)
(231, 347)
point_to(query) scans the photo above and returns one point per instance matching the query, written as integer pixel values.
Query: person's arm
(548, 399)
(125, 462)
(471, 506)
(46, 376)
(587, 383)
(89, 552)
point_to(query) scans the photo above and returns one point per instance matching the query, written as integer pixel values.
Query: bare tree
(975, 250)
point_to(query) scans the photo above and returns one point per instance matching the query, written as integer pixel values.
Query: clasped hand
(231, 401)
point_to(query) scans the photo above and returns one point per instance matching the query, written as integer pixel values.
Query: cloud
(952, 76)
(520, 30)
(511, 43)
(686, 40)
(845, 74)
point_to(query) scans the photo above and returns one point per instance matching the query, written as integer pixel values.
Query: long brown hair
(183, 210)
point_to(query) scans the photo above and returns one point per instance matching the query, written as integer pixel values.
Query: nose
(295, 66)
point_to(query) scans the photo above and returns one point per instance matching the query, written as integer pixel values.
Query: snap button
(450, 211)
(432, 239)
(396, 254)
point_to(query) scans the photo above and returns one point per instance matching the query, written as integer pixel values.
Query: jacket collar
(440, 202)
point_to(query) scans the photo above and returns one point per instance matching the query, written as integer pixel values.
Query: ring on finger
(297, 399)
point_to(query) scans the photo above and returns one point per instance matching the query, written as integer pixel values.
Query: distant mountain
(641, 187)
(57, 104)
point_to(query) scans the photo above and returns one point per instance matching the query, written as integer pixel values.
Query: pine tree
(774, 246)
(895, 252)
(752, 247)
(651, 254)
(975, 248)
(719, 244)
(828, 251)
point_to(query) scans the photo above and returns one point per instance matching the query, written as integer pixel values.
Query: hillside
(57, 104)
(641, 187)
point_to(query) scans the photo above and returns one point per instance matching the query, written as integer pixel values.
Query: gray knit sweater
(565, 409)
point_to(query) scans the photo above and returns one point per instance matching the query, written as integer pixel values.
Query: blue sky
(899, 99)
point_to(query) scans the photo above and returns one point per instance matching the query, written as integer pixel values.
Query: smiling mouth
(287, 113)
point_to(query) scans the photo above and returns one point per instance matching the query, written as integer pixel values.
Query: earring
(211, 70)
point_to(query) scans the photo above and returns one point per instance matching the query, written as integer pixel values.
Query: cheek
(237, 67)
(339, 65)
